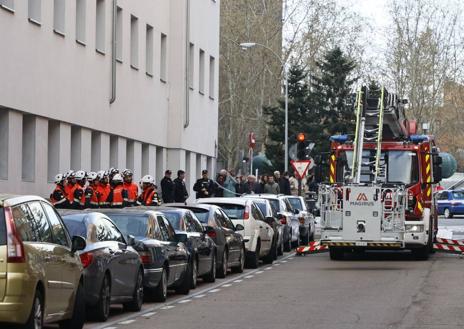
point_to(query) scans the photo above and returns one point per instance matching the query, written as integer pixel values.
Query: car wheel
(280, 250)
(239, 268)
(160, 293)
(253, 257)
(211, 276)
(78, 317)
(288, 243)
(224, 266)
(296, 244)
(337, 253)
(305, 239)
(102, 309)
(136, 304)
(184, 287)
(447, 213)
(194, 274)
(269, 258)
(35, 320)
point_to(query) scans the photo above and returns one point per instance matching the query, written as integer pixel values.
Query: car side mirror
(78, 243)
(239, 227)
(130, 240)
(269, 220)
(181, 237)
(296, 211)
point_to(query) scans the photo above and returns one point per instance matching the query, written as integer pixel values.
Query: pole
(286, 117)
(299, 186)
(251, 161)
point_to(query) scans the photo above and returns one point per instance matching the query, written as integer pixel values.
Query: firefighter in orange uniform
(80, 198)
(58, 196)
(69, 186)
(118, 195)
(149, 196)
(131, 187)
(103, 190)
(91, 190)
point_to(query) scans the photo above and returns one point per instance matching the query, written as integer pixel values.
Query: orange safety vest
(103, 191)
(94, 196)
(69, 192)
(79, 199)
(55, 198)
(118, 199)
(132, 192)
(149, 197)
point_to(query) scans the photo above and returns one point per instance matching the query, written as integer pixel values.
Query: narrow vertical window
(212, 75)
(149, 51)
(96, 151)
(100, 27)
(119, 20)
(4, 138)
(201, 81)
(53, 155)
(28, 149)
(7, 4)
(145, 159)
(130, 154)
(80, 21)
(134, 42)
(35, 11)
(163, 59)
(191, 70)
(59, 10)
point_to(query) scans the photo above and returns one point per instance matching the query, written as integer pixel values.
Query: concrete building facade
(93, 84)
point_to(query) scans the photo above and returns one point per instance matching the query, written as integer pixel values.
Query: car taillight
(15, 248)
(302, 220)
(283, 220)
(211, 234)
(246, 215)
(145, 257)
(86, 259)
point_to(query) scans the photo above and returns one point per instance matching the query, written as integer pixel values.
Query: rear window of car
(2, 228)
(296, 203)
(75, 225)
(275, 204)
(202, 215)
(174, 218)
(262, 207)
(233, 211)
(135, 225)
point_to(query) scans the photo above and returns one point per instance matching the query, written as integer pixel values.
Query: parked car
(305, 217)
(230, 248)
(201, 247)
(450, 203)
(41, 275)
(164, 255)
(272, 219)
(257, 234)
(113, 271)
(285, 215)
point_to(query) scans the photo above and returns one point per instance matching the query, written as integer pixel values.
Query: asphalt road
(371, 291)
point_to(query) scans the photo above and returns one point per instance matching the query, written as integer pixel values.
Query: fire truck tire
(422, 253)
(337, 253)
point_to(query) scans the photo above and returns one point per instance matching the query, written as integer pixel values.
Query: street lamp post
(247, 45)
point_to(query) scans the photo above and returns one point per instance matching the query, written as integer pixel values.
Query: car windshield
(131, 224)
(233, 211)
(201, 214)
(458, 195)
(402, 166)
(275, 204)
(75, 225)
(296, 203)
(174, 218)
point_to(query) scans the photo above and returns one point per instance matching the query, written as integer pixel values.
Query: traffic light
(303, 147)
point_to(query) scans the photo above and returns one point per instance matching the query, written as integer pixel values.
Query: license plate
(361, 244)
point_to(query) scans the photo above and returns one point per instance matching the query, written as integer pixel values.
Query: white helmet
(92, 176)
(127, 172)
(69, 174)
(58, 178)
(80, 174)
(148, 179)
(117, 178)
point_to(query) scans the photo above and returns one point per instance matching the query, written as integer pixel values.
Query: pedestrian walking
(167, 187)
(271, 186)
(180, 190)
(204, 186)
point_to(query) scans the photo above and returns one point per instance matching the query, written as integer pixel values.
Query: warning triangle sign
(301, 167)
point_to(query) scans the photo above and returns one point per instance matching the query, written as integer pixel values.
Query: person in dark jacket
(219, 186)
(240, 188)
(167, 187)
(284, 182)
(180, 191)
(204, 186)
(251, 187)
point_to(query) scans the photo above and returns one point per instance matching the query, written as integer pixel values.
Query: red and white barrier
(448, 247)
(312, 248)
(452, 242)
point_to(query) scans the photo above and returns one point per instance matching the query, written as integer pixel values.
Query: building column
(137, 161)
(64, 148)
(41, 186)
(191, 176)
(161, 162)
(86, 149)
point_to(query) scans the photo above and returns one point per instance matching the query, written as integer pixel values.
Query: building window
(163, 57)
(59, 10)
(149, 51)
(35, 11)
(119, 21)
(4, 137)
(7, 4)
(201, 81)
(80, 21)
(134, 42)
(28, 148)
(191, 70)
(100, 27)
(212, 75)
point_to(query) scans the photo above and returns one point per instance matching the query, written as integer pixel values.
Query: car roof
(261, 196)
(203, 206)
(240, 201)
(8, 200)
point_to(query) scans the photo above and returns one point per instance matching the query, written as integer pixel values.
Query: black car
(113, 271)
(229, 244)
(201, 247)
(164, 255)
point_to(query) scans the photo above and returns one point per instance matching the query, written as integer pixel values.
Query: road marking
(215, 290)
(199, 296)
(227, 285)
(283, 261)
(184, 301)
(276, 264)
(147, 315)
(249, 276)
(237, 279)
(259, 272)
(268, 268)
(167, 307)
(126, 322)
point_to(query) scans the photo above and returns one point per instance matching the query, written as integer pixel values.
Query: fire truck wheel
(421, 253)
(337, 253)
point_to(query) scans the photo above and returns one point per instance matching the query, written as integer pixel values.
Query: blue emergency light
(418, 138)
(339, 138)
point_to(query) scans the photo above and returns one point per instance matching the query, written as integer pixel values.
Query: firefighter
(70, 186)
(103, 189)
(149, 196)
(58, 196)
(91, 190)
(118, 195)
(111, 172)
(131, 187)
(204, 186)
(79, 201)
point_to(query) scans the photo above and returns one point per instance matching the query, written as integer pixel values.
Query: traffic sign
(301, 167)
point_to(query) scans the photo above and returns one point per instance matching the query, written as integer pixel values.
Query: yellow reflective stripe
(427, 171)
(419, 206)
(332, 169)
(332, 157)
(427, 157)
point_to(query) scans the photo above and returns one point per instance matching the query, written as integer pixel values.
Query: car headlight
(414, 228)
